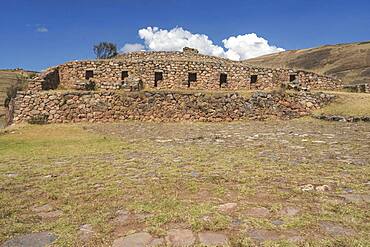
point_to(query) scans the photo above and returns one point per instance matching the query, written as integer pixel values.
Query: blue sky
(35, 34)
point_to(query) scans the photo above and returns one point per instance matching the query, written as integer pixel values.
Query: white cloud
(42, 30)
(237, 48)
(247, 46)
(156, 39)
(132, 47)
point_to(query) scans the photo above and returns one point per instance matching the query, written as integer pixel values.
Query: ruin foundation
(78, 106)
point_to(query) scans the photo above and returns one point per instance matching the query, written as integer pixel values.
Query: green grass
(88, 172)
(348, 104)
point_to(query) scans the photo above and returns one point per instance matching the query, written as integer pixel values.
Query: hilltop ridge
(348, 62)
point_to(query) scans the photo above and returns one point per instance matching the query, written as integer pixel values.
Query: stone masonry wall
(175, 74)
(175, 67)
(83, 106)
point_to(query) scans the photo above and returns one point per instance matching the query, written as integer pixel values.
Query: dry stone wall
(174, 69)
(89, 106)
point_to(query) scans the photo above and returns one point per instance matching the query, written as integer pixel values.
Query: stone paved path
(294, 142)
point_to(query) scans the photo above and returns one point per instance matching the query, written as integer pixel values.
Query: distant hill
(8, 78)
(349, 62)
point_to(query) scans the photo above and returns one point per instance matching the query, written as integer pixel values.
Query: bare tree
(105, 50)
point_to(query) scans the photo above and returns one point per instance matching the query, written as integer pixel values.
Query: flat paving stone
(40, 239)
(258, 212)
(356, 198)
(140, 239)
(86, 232)
(122, 217)
(180, 238)
(11, 175)
(335, 229)
(213, 239)
(227, 207)
(43, 208)
(277, 222)
(261, 235)
(50, 215)
(46, 211)
(289, 211)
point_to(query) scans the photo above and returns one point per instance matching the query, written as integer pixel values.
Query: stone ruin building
(167, 86)
(174, 70)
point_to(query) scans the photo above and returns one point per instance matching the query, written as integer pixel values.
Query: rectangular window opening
(124, 74)
(158, 76)
(89, 74)
(223, 79)
(254, 79)
(192, 77)
(292, 78)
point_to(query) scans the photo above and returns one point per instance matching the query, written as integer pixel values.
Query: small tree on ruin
(105, 50)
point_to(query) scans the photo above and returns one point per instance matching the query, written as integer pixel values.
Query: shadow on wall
(51, 80)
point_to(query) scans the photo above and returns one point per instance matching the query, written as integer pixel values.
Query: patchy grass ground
(348, 104)
(59, 177)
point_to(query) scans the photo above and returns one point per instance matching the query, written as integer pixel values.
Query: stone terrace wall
(83, 106)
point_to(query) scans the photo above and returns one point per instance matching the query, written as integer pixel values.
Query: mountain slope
(349, 62)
